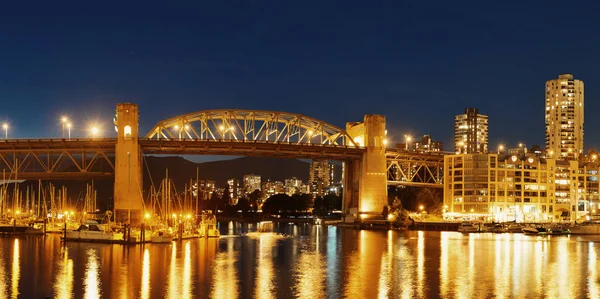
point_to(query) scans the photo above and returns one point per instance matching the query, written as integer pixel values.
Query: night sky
(417, 62)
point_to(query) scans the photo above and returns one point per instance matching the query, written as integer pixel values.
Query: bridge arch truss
(248, 126)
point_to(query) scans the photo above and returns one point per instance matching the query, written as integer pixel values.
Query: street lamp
(5, 127)
(64, 120)
(421, 207)
(408, 139)
(69, 129)
(500, 148)
(94, 132)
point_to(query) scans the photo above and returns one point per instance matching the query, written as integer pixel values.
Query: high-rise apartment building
(564, 117)
(519, 187)
(320, 176)
(471, 132)
(251, 183)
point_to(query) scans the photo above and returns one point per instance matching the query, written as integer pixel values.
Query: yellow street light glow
(363, 216)
(472, 210)
(221, 127)
(147, 215)
(176, 127)
(421, 207)
(68, 125)
(385, 142)
(186, 127)
(64, 119)
(390, 216)
(594, 157)
(189, 216)
(5, 126)
(501, 147)
(174, 215)
(94, 131)
(310, 132)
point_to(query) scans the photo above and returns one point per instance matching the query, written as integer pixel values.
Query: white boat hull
(88, 235)
(161, 239)
(585, 230)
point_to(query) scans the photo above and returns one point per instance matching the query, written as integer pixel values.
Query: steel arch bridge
(249, 125)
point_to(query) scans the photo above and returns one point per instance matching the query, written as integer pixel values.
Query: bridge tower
(365, 181)
(128, 172)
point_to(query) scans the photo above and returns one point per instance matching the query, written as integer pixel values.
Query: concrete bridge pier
(128, 197)
(365, 180)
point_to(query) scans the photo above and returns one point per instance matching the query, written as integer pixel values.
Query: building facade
(524, 188)
(251, 183)
(427, 145)
(564, 117)
(471, 132)
(320, 176)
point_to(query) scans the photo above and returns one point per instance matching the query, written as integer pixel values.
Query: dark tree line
(411, 198)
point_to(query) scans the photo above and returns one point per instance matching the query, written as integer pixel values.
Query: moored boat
(468, 227)
(585, 228)
(91, 231)
(161, 237)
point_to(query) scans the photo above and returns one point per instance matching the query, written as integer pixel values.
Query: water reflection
(145, 288)
(63, 285)
(264, 267)
(92, 283)
(225, 278)
(16, 270)
(3, 284)
(320, 262)
(310, 270)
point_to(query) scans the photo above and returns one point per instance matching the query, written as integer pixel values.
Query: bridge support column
(372, 177)
(128, 172)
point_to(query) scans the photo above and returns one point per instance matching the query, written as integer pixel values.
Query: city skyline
(415, 71)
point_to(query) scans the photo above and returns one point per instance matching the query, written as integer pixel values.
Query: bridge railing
(187, 140)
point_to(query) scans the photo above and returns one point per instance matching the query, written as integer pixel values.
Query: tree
(254, 199)
(430, 201)
(243, 204)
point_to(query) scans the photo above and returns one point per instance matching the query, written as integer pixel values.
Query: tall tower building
(564, 117)
(320, 175)
(471, 132)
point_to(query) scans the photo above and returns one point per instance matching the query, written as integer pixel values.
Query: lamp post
(69, 129)
(500, 148)
(5, 127)
(408, 139)
(94, 132)
(63, 121)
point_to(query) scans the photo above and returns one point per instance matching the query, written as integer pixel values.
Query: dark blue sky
(417, 62)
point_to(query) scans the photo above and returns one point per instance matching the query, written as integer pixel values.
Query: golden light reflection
(145, 289)
(16, 270)
(420, 263)
(92, 283)
(311, 272)
(63, 285)
(225, 278)
(385, 274)
(173, 290)
(501, 269)
(3, 285)
(264, 280)
(187, 273)
(592, 279)
(444, 268)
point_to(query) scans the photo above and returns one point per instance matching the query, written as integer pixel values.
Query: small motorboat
(514, 228)
(531, 230)
(468, 227)
(91, 231)
(161, 237)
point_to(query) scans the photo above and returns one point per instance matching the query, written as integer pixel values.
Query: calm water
(304, 261)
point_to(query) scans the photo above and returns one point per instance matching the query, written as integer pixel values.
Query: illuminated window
(127, 131)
